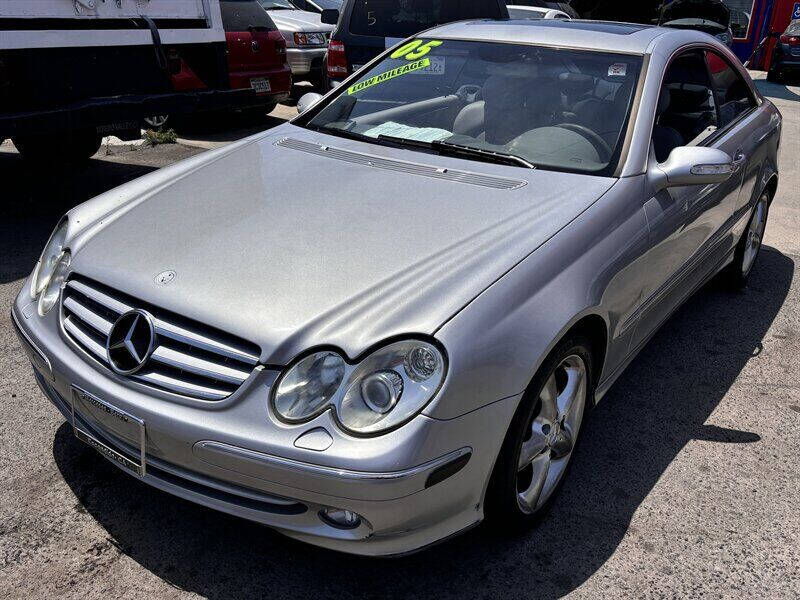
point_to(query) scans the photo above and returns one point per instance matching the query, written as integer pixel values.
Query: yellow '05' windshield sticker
(416, 49)
(391, 74)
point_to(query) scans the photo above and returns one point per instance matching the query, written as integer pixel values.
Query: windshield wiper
(502, 158)
(351, 135)
(460, 151)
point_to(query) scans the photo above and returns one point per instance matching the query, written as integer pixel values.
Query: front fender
(594, 266)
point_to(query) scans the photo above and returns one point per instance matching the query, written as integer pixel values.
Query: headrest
(687, 97)
(575, 84)
(501, 92)
(663, 101)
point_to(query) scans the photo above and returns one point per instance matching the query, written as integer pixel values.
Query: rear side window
(242, 15)
(404, 18)
(731, 92)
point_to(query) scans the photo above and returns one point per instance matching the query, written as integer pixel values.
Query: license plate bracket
(83, 399)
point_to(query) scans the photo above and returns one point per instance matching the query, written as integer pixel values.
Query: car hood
(298, 21)
(292, 249)
(696, 10)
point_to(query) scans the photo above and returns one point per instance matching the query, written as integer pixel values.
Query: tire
(514, 500)
(72, 148)
(737, 274)
(773, 76)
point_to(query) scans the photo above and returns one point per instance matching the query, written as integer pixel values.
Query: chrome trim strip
(85, 314)
(304, 468)
(199, 366)
(402, 166)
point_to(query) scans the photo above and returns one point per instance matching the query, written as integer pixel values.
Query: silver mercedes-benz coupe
(385, 321)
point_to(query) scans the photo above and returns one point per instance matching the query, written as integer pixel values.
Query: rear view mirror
(693, 165)
(307, 101)
(330, 16)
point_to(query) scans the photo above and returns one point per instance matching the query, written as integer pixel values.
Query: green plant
(154, 138)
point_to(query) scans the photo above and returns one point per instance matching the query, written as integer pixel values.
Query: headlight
(309, 386)
(49, 259)
(383, 391)
(309, 39)
(49, 297)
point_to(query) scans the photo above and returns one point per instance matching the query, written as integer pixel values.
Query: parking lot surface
(687, 482)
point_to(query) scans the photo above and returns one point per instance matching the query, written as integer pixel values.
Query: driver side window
(687, 111)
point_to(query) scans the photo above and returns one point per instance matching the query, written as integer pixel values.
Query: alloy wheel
(546, 450)
(754, 236)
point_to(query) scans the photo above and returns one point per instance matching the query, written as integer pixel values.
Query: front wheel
(738, 272)
(539, 445)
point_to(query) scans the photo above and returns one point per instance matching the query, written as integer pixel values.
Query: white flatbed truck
(72, 71)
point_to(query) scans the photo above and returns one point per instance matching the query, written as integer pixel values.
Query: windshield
(242, 15)
(277, 5)
(559, 109)
(329, 4)
(403, 18)
(526, 13)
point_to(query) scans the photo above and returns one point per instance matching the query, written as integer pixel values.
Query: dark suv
(365, 28)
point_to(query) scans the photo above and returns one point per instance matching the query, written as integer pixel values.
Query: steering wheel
(469, 93)
(595, 140)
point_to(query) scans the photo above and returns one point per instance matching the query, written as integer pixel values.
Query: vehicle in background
(534, 12)
(565, 7)
(365, 28)
(709, 16)
(256, 59)
(72, 72)
(786, 56)
(257, 56)
(306, 39)
(317, 6)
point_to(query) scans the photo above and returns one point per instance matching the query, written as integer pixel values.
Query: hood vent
(388, 164)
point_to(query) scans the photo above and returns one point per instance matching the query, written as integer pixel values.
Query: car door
(690, 226)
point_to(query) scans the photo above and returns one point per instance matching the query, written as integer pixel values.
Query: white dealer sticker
(618, 70)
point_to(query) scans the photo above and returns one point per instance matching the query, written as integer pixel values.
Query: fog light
(339, 518)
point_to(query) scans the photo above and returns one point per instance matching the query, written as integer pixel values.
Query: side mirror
(307, 101)
(693, 165)
(330, 16)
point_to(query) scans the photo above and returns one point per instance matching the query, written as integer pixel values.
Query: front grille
(189, 358)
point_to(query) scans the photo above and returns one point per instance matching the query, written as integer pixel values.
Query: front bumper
(412, 487)
(305, 61)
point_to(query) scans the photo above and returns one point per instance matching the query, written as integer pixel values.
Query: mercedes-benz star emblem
(130, 342)
(165, 277)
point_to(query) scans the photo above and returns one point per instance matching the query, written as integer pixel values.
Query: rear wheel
(749, 247)
(774, 76)
(72, 148)
(539, 445)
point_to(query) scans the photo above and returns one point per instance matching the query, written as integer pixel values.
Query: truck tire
(73, 148)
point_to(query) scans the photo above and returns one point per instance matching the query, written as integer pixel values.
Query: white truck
(72, 71)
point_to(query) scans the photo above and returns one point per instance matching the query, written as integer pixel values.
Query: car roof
(630, 38)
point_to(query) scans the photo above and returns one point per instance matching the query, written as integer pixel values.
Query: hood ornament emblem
(165, 277)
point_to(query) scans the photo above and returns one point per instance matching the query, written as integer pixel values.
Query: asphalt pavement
(687, 482)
